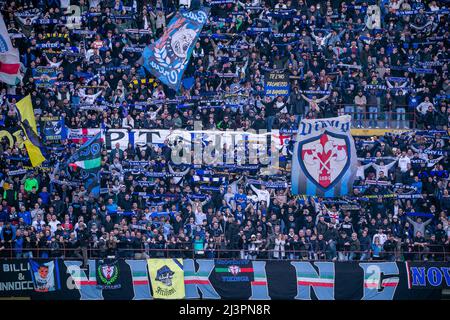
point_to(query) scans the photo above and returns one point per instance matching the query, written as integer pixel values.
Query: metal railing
(432, 252)
(375, 117)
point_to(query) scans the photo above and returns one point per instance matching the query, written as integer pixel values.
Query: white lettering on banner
(250, 147)
(307, 128)
(142, 137)
(172, 76)
(200, 16)
(15, 267)
(16, 286)
(15, 271)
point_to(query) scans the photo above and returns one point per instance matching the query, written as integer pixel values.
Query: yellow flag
(28, 124)
(34, 153)
(25, 108)
(167, 278)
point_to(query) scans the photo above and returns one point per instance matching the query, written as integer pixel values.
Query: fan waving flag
(168, 57)
(9, 58)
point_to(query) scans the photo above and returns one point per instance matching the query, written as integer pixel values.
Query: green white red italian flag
(86, 164)
(259, 279)
(311, 279)
(196, 278)
(375, 282)
(140, 278)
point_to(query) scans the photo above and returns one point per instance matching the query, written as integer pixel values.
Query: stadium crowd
(390, 71)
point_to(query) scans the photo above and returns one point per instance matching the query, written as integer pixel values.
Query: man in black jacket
(83, 238)
(232, 236)
(109, 224)
(389, 247)
(10, 195)
(273, 107)
(364, 245)
(343, 246)
(137, 246)
(346, 227)
(72, 247)
(331, 236)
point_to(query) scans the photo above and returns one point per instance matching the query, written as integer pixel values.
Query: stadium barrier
(222, 279)
(430, 252)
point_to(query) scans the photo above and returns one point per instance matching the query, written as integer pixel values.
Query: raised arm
(370, 164)
(306, 98)
(206, 201)
(431, 163)
(254, 188)
(390, 165)
(404, 85)
(322, 99)
(389, 84)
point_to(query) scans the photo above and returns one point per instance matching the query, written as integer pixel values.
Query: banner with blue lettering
(276, 84)
(324, 160)
(422, 275)
(234, 277)
(168, 57)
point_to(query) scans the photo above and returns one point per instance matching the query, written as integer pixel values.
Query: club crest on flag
(108, 271)
(108, 274)
(324, 159)
(234, 270)
(165, 275)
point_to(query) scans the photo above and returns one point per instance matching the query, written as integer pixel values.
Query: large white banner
(143, 137)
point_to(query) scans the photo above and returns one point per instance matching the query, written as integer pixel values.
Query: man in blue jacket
(4, 216)
(7, 237)
(26, 215)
